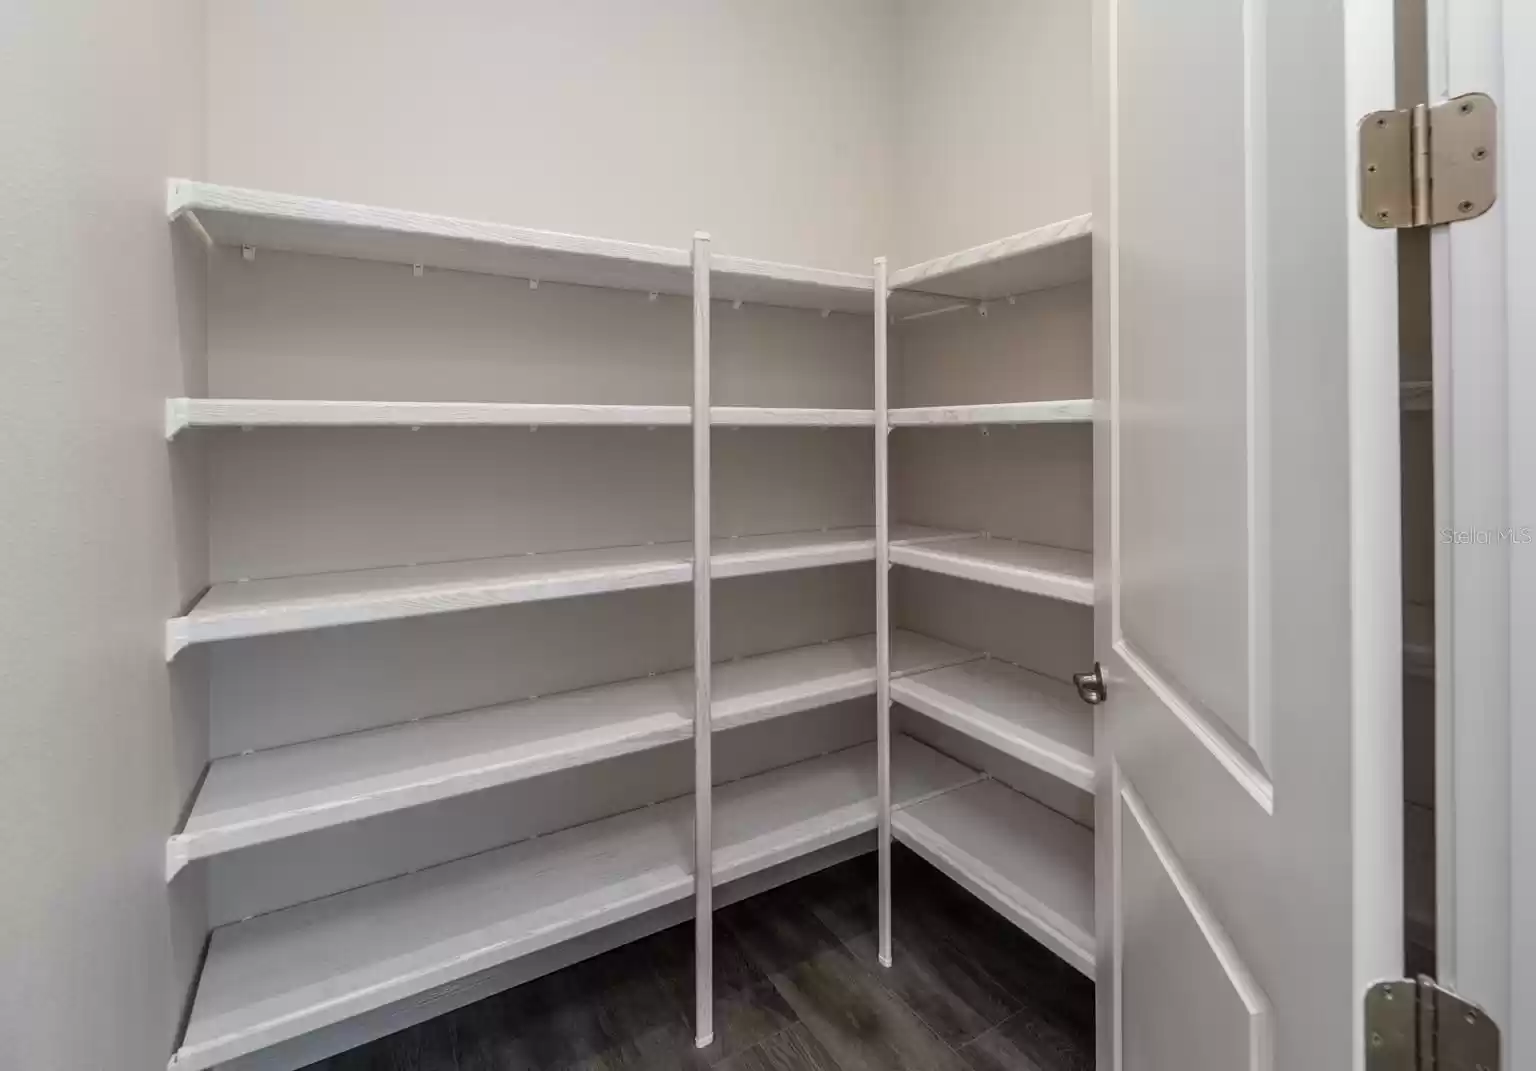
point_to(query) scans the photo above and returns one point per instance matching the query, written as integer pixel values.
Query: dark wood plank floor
(797, 988)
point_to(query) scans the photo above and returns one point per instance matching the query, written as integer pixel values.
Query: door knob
(1090, 686)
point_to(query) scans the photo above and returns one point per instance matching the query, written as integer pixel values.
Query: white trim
(703, 665)
(1477, 421)
(883, 603)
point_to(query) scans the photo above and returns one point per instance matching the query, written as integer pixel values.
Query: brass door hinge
(1415, 1025)
(1432, 163)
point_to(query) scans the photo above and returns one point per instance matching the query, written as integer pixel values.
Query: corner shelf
(277, 976)
(239, 609)
(1054, 572)
(269, 795)
(1048, 256)
(1074, 410)
(766, 282)
(1029, 863)
(1035, 719)
(233, 216)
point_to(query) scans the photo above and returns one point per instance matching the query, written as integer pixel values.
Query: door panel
(1215, 1015)
(1184, 154)
(1247, 563)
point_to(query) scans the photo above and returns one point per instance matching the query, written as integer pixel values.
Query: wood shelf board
(277, 976)
(751, 416)
(768, 686)
(294, 604)
(291, 604)
(234, 216)
(187, 413)
(1035, 719)
(772, 817)
(1073, 410)
(1054, 572)
(1038, 259)
(765, 282)
(264, 796)
(1026, 861)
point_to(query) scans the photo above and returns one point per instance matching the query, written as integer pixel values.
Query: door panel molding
(1235, 757)
(1216, 998)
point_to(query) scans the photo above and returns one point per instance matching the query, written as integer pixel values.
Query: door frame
(1483, 272)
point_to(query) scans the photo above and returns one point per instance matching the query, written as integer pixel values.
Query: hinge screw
(1376, 1041)
(1466, 107)
(1465, 206)
(1371, 168)
(1479, 154)
(1383, 215)
(1381, 122)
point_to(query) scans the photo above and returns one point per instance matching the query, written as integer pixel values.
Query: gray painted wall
(97, 310)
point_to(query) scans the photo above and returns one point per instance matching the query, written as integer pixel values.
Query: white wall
(764, 123)
(992, 132)
(102, 100)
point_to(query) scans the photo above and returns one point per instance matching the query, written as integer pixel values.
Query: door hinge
(1415, 1025)
(1432, 163)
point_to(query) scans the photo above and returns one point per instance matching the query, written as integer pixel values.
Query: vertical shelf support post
(703, 777)
(883, 602)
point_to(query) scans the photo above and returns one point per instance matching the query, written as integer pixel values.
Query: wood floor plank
(747, 1008)
(941, 984)
(1024, 1042)
(792, 1049)
(609, 1013)
(796, 989)
(863, 1025)
(427, 1046)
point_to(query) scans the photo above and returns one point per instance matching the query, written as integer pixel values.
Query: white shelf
(748, 555)
(295, 604)
(764, 282)
(1074, 410)
(264, 796)
(232, 216)
(748, 416)
(268, 795)
(1050, 571)
(1048, 256)
(281, 975)
(1035, 719)
(299, 603)
(769, 686)
(184, 413)
(1026, 861)
(241, 217)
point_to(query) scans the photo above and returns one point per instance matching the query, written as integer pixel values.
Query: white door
(1247, 544)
